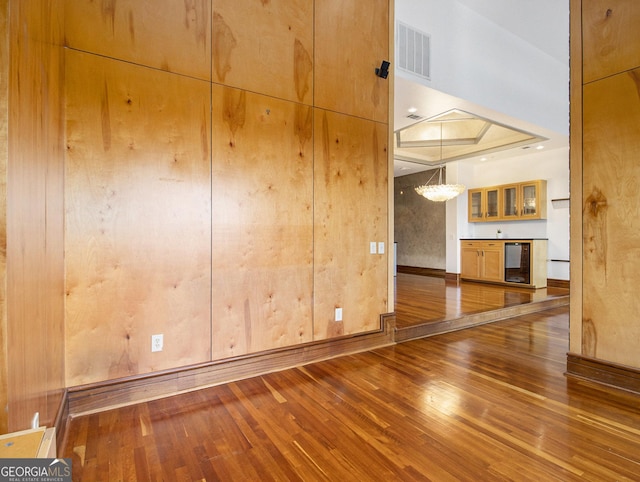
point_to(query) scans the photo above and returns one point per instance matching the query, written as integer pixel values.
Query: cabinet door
(510, 209)
(529, 200)
(492, 206)
(533, 200)
(476, 209)
(470, 261)
(493, 261)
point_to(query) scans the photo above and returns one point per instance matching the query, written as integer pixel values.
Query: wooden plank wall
(262, 287)
(35, 214)
(4, 154)
(222, 187)
(138, 225)
(610, 176)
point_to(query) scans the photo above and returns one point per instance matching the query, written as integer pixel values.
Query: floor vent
(413, 51)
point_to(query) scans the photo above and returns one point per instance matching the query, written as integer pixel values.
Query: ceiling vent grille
(413, 51)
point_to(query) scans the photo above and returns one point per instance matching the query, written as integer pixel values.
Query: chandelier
(439, 192)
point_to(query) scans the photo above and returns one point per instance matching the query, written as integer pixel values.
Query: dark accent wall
(419, 224)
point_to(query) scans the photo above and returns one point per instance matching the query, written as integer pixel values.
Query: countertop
(504, 239)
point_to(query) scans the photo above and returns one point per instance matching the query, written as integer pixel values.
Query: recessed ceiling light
(412, 110)
(540, 147)
(483, 159)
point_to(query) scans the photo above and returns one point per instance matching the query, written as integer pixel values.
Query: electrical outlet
(338, 314)
(157, 342)
(372, 247)
(381, 247)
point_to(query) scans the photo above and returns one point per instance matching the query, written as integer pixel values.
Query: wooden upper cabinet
(264, 47)
(163, 34)
(611, 37)
(351, 41)
(508, 202)
(524, 200)
(484, 204)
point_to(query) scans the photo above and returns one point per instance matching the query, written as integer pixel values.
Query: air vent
(414, 116)
(413, 51)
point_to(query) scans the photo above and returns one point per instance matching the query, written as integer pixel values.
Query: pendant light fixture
(439, 192)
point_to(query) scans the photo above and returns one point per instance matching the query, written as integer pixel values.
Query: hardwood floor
(488, 403)
(426, 299)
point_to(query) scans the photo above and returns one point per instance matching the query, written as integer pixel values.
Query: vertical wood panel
(138, 219)
(165, 34)
(35, 271)
(575, 168)
(351, 40)
(350, 211)
(262, 222)
(611, 39)
(4, 139)
(611, 218)
(264, 47)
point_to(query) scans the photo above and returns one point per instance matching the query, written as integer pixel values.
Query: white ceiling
(535, 21)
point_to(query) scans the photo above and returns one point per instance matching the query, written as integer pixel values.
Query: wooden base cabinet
(518, 262)
(482, 260)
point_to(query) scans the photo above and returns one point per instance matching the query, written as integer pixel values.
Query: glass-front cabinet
(531, 200)
(484, 204)
(509, 202)
(524, 200)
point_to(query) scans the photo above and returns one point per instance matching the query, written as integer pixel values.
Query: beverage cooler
(517, 262)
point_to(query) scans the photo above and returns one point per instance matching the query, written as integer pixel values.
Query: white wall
(477, 60)
(553, 166)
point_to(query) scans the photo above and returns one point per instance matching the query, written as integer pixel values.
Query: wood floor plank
(424, 299)
(488, 403)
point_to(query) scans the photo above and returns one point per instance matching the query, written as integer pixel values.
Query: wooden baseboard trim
(603, 372)
(452, 277)
(98, 397)
(558, 283)
(60, 423)
(433, 272)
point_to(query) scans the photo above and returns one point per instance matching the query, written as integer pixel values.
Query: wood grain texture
(490, 404)
(425, 299)
(611, 374)
(130, 390)
(262, 223)
(611, 38)
(426, 306)
(264, 47)
(4, 160)
(575, 172)
(168, 35)
(138, 223)
(351, 39)
(350, 212)
(35, 214)
(611, 218)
